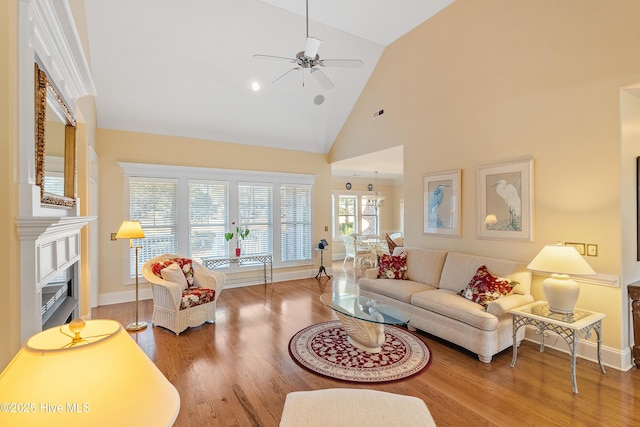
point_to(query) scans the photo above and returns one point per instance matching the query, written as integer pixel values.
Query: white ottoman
(353, 408)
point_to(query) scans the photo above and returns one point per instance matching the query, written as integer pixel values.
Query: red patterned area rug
(323, 349)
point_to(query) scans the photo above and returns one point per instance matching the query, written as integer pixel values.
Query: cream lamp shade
(130, 230)
(559, 289)
(490, 220)
(85, 374)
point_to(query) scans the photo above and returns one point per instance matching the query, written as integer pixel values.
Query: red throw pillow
(393, 267)
(484, 287)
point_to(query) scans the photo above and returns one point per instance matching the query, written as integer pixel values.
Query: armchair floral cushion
(196, 296)
(192, 295)
(185, 264)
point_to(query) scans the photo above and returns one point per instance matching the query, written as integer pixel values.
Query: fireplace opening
(60, 299)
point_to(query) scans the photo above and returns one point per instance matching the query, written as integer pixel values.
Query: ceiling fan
(309, 59)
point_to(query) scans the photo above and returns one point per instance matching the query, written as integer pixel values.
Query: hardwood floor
(238, 372)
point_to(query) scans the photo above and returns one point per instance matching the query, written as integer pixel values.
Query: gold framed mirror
(55, 145)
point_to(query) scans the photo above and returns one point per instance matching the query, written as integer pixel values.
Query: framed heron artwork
(505, 200)
(442, 200)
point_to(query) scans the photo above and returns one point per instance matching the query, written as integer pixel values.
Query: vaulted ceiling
(186, 67)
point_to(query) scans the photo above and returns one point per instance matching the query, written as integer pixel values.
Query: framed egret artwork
(442, 203)
(505, 200)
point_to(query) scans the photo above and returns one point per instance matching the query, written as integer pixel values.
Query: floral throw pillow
(393, 267)
(484, 287)
(185, 264)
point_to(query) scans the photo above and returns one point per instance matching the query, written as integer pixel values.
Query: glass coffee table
(363, 319)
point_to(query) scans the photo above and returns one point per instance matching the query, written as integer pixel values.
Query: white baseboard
(143, 294)
(123, 296)
(611, 357)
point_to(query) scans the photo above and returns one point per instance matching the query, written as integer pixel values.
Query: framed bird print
(442, 200)
(505, 200)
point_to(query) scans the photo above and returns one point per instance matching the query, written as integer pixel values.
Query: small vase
(237, 251)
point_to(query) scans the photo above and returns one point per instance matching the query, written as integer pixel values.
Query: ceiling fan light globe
(311, 47)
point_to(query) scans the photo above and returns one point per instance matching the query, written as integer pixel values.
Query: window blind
(153, 203)
(255, 212)
(295, 226)
(208, 219)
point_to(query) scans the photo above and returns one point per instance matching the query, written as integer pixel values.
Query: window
(153, 203)
(347, 215)
(295, 225)
(189, 210)
(255, 203)
(370, 209)
(355, 213)
(208, 219)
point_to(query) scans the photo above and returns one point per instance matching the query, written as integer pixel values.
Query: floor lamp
(133, 230)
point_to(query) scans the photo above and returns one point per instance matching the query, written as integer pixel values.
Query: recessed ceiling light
(255, 86)
(318, 100)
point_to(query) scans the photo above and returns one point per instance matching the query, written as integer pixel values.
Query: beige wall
(9, 252)
(488, 81)
(119, 146)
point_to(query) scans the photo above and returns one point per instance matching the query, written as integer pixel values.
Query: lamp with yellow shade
(85, 374)
(133, 230)
(560, 290)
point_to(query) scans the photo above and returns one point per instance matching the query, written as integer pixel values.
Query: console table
(265, 259)
(569, 326)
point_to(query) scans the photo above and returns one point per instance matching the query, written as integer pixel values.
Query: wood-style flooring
(237, 372)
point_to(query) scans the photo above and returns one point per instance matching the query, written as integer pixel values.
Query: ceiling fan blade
(311, 48)
(292, 60)
(321, 78)
(341, 63)
(293, 69)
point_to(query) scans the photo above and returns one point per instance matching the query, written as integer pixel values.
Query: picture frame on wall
(505, 200)
(442, 203)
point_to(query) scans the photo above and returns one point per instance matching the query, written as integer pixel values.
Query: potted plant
(241, 234)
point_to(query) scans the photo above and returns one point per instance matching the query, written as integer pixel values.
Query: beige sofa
(430, 298)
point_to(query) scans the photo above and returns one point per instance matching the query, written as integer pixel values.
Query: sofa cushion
(459, 268)
(401, 290)
(450, 304)
(424, 265)
(393, 266)
(484, 287)
(173, 273)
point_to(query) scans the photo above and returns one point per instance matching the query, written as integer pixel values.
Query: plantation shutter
(208, 219)
(295, 227)
(255, 211)
(153, 203)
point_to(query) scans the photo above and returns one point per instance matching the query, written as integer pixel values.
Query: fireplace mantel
(40, 227)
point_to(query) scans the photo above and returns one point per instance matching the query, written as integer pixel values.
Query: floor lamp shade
(561, 261)
(86, 374)
(130, 230)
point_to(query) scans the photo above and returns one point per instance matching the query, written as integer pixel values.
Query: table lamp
(85, 374)
(133, 230)
(559, 289)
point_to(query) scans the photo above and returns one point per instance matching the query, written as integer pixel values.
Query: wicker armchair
(168, 305)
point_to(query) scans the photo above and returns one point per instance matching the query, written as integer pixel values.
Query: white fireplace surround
(48, 246)
(49, 236)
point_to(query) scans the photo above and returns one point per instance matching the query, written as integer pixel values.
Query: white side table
(569, 327)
